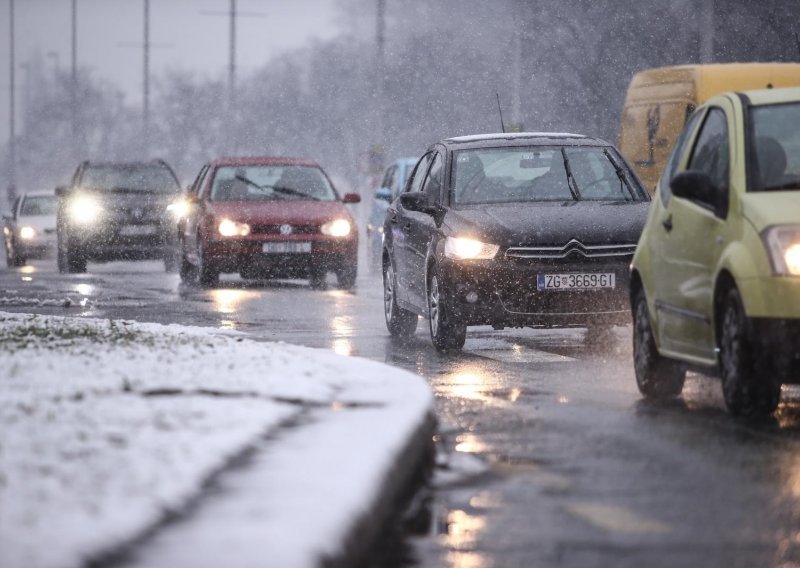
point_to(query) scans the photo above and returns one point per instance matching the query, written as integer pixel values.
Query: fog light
(472, 297)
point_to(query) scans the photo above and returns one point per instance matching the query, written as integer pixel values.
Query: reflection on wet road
(548, 455)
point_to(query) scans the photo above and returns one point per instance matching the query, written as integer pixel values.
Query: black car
(118, 211)
(512, 230)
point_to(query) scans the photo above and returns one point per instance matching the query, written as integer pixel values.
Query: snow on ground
(106, 427)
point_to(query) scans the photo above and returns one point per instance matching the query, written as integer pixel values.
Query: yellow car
(715, 281)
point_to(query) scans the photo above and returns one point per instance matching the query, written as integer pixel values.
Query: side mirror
(416, 201)
(62, 190)
(384, 194)
(8, 217)
(351, 198)
(693, 185)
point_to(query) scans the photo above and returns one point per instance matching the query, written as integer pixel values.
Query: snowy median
(109, 428)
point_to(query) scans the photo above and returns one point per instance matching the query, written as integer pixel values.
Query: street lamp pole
(74, 74)
(12, 158)
(232, 58)
(146, 81)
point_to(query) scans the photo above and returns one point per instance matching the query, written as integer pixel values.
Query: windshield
(541, 173)
(777, 146)
(134, 178)
(39, 205)
(265, 183)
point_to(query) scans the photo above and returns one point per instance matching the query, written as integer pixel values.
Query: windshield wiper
(278, 188)
(573, 186)
(620, 174)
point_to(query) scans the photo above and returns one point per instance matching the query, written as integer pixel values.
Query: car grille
(572, 248)
(276, 229)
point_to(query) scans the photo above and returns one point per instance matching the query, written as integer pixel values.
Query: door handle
(667, 223)
(407, 228)
(393, 218)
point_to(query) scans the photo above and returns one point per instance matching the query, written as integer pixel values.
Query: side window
(710, 154)
(675, 157)
(433, 183)
(388, 177)
(415, 183)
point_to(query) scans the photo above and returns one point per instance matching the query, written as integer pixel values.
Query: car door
(421, 232)
(695, 233)
(196, 210)
(400, 221)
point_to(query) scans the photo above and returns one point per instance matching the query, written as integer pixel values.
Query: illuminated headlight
(84, 210)
(228, 228)
(463, 249)
(26, 233)
(783, 245)
(336, 228)
(179, 208)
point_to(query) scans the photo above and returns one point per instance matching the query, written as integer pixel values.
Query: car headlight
(27, 233)
(783, 246)
(336, 228)
(461, 248)
(84, 209)
(179, 208)
(228, 228)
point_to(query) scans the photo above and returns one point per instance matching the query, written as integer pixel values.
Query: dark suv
(118, 211)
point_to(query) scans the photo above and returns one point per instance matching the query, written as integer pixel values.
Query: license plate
(286, 248)
(579, 281)
(137, 230)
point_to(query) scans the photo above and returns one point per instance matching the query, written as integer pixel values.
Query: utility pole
(27, 101)
(12, 157)
(232, 58)
(380, 68)
(146, 78)
(74, 75)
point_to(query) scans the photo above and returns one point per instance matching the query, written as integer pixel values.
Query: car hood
(767, 208)
(284, 211)
(557, 223)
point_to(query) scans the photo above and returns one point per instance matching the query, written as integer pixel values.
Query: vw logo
(286, 229)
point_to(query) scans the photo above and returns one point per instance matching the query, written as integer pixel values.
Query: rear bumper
(504, 292)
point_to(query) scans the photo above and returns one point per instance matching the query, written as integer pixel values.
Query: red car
(267, 218)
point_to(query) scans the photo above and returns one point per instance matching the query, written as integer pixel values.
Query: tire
(186, 270)
(13, 259)
(749, 383)
(448, 333)
(401, 323)
(316, 277)
(657, 377)
(207, 276)
(71, 260)
(346, 277)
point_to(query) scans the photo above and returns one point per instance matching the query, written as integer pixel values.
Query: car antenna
(500, 110)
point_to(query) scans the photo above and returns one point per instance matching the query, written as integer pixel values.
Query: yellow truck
(660, 100)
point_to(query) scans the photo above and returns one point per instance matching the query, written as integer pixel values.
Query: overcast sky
(195, 33)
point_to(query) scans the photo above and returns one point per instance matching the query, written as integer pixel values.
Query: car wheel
(400, 323)
(12, 258)
(71, 259)
(207, 275)
(656, 377)
(447, 331)
(186, 270)
(748, 385)
(346, 277)
(316, 277)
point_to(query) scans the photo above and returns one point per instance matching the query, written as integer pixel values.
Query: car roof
(773, 96)
(131, 164)
(39, 193)
(263, 161)
(522, 139)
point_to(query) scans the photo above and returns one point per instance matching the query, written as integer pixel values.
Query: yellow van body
(660, 100)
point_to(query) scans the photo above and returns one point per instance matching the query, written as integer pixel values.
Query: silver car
(29, 231)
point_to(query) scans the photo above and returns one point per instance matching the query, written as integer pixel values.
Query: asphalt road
(548, 456)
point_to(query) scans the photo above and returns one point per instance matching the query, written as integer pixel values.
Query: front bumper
(505, 293)
(246, 255)
(37, 247)
(107, 242)
(771, 296)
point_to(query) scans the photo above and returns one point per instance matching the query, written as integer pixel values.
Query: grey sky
(197, 41)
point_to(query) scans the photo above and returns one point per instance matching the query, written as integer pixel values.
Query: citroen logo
(286, 229)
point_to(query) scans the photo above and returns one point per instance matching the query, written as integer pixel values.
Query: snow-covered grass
(106, 427)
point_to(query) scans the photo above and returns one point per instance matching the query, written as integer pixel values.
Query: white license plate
(578, 281)
(137, 230)
(286, 247)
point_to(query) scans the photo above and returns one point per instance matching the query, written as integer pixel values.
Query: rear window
(144, 178)
(777, 147)
(39, 205)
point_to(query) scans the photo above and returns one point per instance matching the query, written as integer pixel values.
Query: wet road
(547, 454)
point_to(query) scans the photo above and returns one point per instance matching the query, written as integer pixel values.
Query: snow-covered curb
(106, 427)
